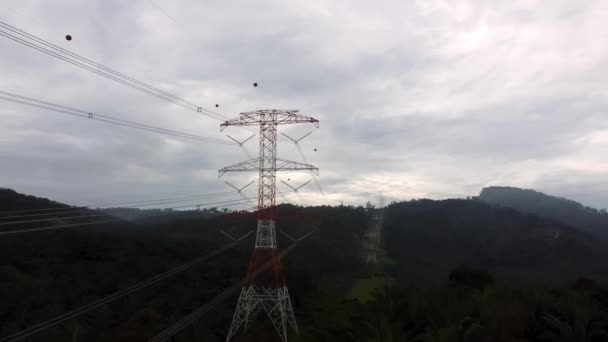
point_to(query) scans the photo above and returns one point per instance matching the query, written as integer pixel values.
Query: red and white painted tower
(265, 289)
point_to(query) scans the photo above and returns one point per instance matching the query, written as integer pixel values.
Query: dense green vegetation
(459, 270)
(560, 209)
(45, 274)
(429, 238)
(364, 289)
(457, 312)
(12, 200)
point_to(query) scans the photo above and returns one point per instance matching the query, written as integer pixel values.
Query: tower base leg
(275, 302)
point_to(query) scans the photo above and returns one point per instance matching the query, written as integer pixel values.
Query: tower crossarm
(281, 165)
(276, 116)
(288, 165)
(247, 165)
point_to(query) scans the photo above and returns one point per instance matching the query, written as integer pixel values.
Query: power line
(71, 61)
(117, 295)
(20, 231)
(318, 184)
(98, 213)
(162, 10)
(120, 122)
(132, 205)
(224, 204)
(314, 178)
(53, 219)
(249, 200)
(219, 194)
(178, 199)
(32, 102)
(235, 202)
(43, 209)
(56, 51)
(227, 203)
(83, 210)
(184, 322)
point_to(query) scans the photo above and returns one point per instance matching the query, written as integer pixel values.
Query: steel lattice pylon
(266, 290)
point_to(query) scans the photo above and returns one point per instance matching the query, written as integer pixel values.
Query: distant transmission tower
(266, 290)
(372, 238)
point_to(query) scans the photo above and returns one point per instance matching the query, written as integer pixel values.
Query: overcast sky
(415, 99)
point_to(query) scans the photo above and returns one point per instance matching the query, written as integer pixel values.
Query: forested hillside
(12, 200)
(45, 274)
(560, 209)
(461, 270)
(428, 238)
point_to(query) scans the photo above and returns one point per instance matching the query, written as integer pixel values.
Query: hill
(560, 209)
(428, 238)
(45, 274)
(12, 200)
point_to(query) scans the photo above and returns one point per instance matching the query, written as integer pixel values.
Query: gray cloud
(415, 98)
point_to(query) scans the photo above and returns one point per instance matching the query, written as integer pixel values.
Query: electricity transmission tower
(265, 289)
(372, 238)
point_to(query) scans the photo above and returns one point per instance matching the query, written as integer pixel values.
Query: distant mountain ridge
(427, 237)
(12, 200)
(555, 208)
